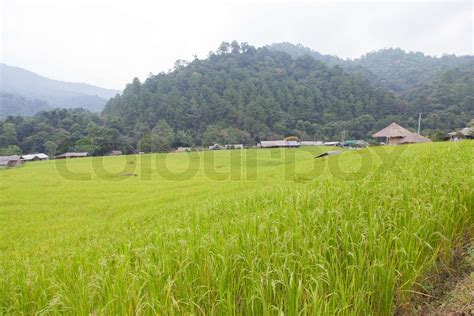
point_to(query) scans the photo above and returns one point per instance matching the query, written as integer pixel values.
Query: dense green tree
(10, 150)
(161, 136)
(183, 138)
(9, 133)
(50, 148)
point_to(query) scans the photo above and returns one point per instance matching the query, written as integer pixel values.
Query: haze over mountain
(23, 92)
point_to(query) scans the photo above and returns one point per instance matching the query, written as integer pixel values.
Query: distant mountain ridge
(442, 88)
(390, 68)
(26, 93)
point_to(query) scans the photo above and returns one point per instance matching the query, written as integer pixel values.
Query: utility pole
(419, 123)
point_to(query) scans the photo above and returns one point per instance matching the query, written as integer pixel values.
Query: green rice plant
(267, 231)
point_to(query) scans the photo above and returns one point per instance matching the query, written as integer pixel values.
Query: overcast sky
(107, 43)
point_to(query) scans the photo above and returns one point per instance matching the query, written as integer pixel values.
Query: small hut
(183, 149)
(216, 147)
(463, 133)
(311, 143)
(10, 161)
(35, 157)
(234, 146)
(393, 134)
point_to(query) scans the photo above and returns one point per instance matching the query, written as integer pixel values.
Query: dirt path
(455, 294)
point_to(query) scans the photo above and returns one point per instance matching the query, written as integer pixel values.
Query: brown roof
(393, 130)
(414, 138)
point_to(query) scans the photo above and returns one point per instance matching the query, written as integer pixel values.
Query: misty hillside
(29, 88)
(399, 71)
(14, 104)
(391, 68)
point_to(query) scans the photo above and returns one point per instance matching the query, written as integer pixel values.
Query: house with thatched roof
(395, 134)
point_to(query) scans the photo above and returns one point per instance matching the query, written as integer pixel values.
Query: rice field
(263, 232)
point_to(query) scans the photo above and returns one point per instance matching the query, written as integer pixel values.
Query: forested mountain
(391, 68)
(13, 104)
(451, 90)
(447, 100)
(298, 50)
(241, 94)
(31, 88)
(399, 71)
(442, 89)
(253, 93)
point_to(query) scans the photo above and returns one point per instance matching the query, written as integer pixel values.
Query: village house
(216, 147)
(463, 133)
(394, 134)
(234, 146)
(331, 143)
(10, 161)
(311, 143)
(72, 155)
(278, 143)
(34, 157)
(354, 143)
(183, 149)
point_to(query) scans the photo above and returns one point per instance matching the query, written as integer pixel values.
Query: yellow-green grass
(233, 232)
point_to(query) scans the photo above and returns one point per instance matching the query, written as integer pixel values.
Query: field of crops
(233, 232)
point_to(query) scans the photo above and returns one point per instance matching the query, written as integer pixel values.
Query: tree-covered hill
(442, 89)
(446, 101)
(13, 104)
(399, 71)
(391, 68)
(253, 93)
